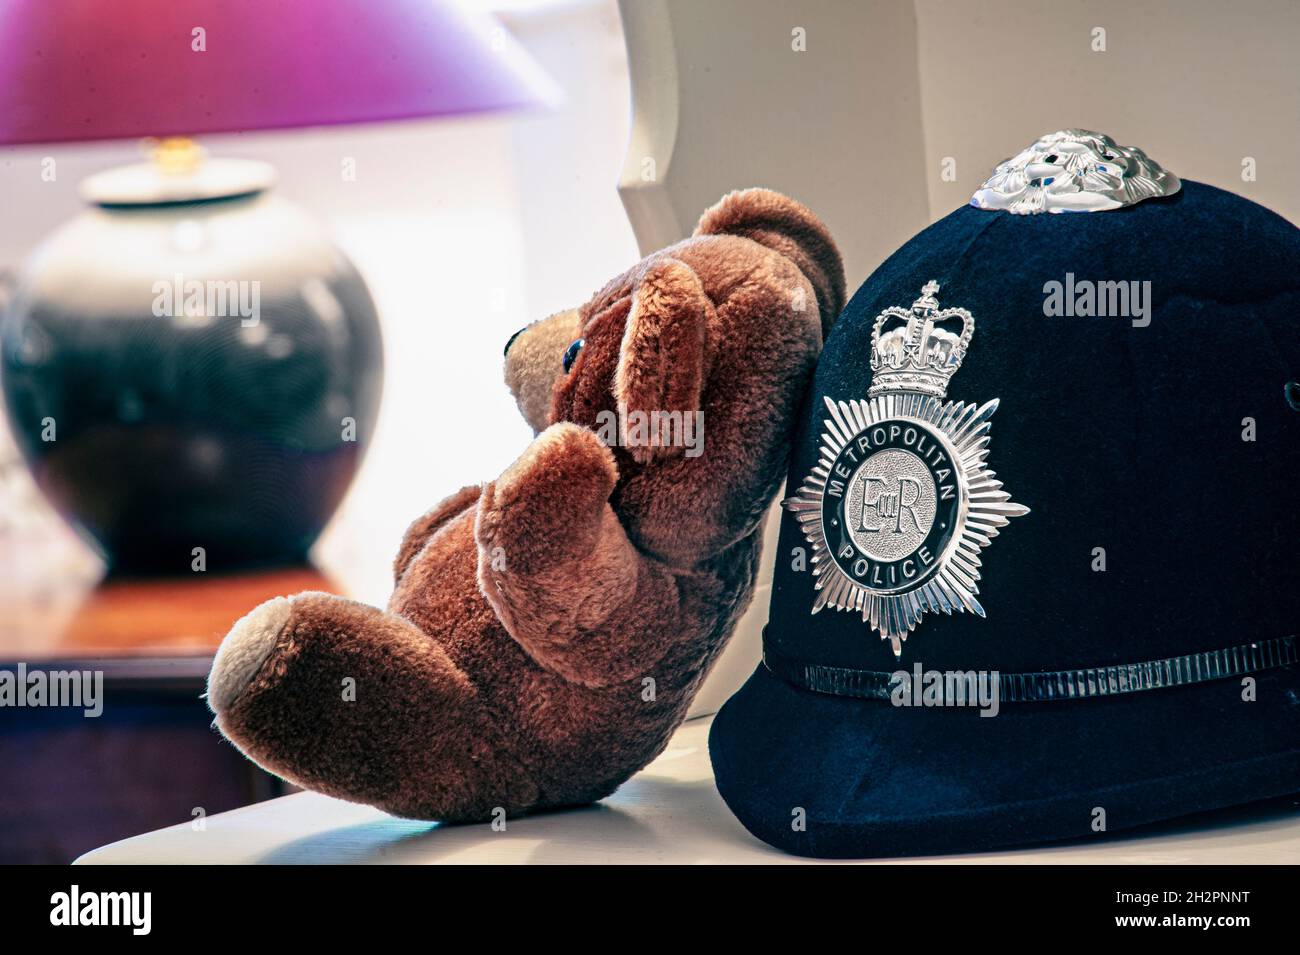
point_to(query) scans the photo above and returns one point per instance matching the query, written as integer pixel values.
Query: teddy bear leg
(348, 700)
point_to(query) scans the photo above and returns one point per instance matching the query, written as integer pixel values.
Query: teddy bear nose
(511, 340)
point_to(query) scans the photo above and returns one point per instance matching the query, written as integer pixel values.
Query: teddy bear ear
(661, 360)
(789, 228)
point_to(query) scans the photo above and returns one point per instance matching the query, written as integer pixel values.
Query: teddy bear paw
(244, 650)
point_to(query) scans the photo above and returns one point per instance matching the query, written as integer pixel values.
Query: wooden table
(71, 782)
(668, 813)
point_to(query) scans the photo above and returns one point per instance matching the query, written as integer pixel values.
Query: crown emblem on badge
(901, 501)
(918, 355)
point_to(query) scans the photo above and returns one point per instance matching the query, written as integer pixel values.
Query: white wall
(1198, 84)
(818, 99)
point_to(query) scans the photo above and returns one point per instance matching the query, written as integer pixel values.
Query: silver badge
(1074, 170)
(901, 502)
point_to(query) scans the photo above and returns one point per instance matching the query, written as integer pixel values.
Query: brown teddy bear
(548, 630)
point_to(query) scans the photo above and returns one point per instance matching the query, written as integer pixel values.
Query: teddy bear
(548, 630)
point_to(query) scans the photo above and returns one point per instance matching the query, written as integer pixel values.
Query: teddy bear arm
(422, 528)
(548, 507)
(556, 564)
(597, 620)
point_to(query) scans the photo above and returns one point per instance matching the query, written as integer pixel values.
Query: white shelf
(669, 813)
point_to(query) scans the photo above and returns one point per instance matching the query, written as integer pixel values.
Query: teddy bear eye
(571, 354)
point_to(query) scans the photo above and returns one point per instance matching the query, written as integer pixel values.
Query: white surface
(668, 813)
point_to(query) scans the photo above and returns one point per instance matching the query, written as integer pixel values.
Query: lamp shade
(75, 70)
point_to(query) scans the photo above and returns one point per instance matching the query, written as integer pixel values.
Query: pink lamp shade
(74, 70)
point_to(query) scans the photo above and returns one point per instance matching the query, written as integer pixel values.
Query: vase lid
(159, 183)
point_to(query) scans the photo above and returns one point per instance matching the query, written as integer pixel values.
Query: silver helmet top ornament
(901, 501)
(1074, 170)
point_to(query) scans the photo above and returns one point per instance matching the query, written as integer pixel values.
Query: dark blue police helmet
(1038, 566)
